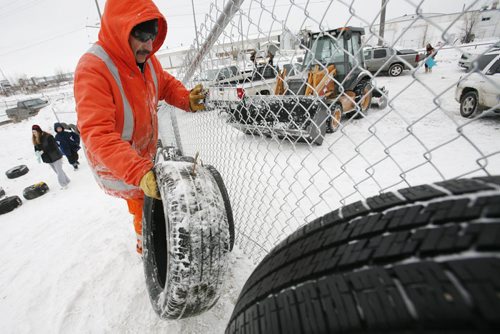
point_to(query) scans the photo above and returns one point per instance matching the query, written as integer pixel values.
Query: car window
(367, 54)
(481, 62)
(495, 68)
(379, 53)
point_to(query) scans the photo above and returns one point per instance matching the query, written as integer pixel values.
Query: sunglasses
(143, 36)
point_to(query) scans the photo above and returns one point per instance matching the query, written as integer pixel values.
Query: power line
(42, 41)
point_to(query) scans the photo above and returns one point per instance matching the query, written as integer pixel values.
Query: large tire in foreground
(35, 190)
(422, 260)
(17, 171)
(9, 203)
(186, 241)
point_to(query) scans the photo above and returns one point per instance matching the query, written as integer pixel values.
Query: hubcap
(396, 70)
(468, 105)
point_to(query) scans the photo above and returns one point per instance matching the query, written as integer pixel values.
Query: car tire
(469, 104)
(335, 118)
(35, 190)
(364, 93)
(395, 70)
(227, 203)
(423, 259)
(9, 203)
(17, 171)
(186, 241)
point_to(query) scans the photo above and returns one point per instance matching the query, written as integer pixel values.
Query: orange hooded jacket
(99, 104)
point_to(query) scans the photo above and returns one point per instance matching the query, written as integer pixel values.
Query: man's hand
(148, 185)
(196, 98)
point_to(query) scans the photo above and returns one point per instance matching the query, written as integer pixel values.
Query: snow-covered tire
(423, 259)
(9, 203)
(227, 203)
(35, 190)
(186, 241)
(17, 171)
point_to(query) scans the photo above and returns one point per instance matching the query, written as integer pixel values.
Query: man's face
(59, 129)
(140, 49)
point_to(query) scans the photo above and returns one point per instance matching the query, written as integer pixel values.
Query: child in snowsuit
(69, 143)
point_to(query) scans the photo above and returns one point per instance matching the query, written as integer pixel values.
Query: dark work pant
(72, 158)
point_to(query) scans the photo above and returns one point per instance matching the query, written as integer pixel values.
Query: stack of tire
(10, 203)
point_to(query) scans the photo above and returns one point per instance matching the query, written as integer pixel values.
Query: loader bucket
(298, 118)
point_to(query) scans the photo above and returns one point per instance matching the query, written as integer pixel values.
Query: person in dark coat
(69, 143)
(46, 148)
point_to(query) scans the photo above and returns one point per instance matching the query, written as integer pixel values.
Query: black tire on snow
(9, 203)
(422, 260)
(17, 171)
(35, 190)
(364, 93)
(227, 203)
(186, 241)
(335, 118)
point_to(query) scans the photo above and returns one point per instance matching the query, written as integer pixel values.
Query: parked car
(481, 89)
(224, 75)
(25, 109)
(468, 58)
(392, 61)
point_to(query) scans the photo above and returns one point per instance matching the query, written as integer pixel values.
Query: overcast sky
(41, 37)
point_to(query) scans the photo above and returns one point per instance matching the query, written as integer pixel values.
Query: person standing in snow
(69, 143)
(47, 150)
(430, 55)
(118, 84)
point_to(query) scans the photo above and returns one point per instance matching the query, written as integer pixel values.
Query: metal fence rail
(278, 181)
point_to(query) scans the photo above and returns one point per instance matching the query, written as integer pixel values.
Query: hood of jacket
(119, 17)
(58, 125)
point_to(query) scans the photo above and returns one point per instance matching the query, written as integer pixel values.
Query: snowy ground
(68, 261)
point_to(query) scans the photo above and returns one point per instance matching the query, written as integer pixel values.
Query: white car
(480, 89)
(468, 58)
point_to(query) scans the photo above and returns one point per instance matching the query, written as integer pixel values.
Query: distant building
(415, 31)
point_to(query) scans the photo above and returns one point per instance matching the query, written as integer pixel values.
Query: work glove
(196, 98)
(38, 155)
(148, 185)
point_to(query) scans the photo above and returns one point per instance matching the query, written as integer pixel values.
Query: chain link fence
(310, 108)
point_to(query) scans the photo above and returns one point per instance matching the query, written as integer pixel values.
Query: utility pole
(195, 26)
(382, 23)
(98, 9)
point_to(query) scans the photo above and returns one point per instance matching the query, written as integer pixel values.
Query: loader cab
(340, 47)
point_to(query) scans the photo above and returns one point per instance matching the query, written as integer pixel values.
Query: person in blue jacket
(69, 143)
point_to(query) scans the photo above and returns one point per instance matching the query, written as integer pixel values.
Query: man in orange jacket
(118, 84)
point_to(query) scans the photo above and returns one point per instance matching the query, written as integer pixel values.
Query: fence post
(227, 14)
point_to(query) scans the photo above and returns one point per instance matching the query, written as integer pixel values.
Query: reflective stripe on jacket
(116, 103)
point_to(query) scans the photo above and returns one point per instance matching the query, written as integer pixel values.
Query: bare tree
(470, 20)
